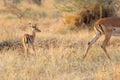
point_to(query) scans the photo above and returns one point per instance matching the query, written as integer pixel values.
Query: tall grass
(62, 61)
(59, 50)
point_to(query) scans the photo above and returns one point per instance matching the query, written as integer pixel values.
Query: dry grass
(58, 53)
(59, 57)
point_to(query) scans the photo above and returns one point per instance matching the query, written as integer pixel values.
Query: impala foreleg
(33, 47)
(91, 43)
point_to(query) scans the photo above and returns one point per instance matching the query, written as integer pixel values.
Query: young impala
(108, 27)
(28, 39)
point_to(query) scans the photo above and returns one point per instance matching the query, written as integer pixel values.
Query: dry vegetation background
(66, 27)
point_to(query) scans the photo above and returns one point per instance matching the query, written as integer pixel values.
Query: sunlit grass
(55, 64)
(59, 50)
(58, 56)
(64, 62)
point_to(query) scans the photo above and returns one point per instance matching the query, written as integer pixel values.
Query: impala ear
(36, 24)
(30, 24)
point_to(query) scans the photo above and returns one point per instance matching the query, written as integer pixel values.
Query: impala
(108, 27)
(28, 39)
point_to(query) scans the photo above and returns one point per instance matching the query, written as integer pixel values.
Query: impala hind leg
(24, 46)
(91, 43)
(104, 44)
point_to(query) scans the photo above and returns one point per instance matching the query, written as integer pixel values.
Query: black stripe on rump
(100, 28)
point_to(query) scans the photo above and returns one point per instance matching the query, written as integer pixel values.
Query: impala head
(34, 27)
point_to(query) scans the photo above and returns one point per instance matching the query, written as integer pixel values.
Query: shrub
(88, 14)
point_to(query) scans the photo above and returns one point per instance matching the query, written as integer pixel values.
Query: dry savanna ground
(58, 55)
(59, 52)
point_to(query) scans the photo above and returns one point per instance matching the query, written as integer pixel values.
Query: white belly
(116, 31)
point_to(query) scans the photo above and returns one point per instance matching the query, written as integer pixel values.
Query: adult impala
(28, 39)
(108, 27)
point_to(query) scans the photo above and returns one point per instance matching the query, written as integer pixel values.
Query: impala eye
(33, 27)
